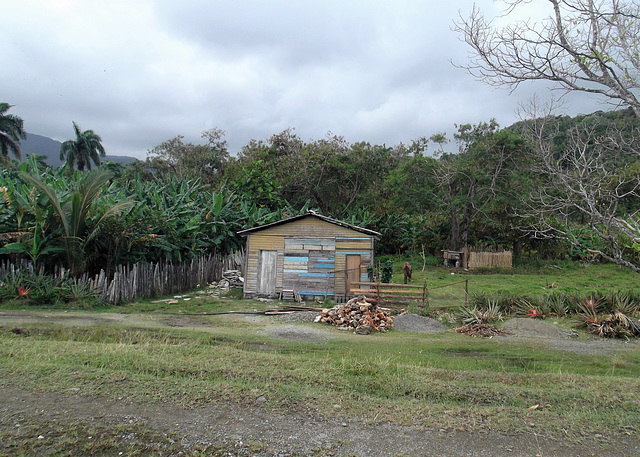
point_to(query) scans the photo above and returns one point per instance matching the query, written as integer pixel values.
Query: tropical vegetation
(11, 132)
(170, 208)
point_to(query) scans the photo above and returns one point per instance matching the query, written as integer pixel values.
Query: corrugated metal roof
(319, 216)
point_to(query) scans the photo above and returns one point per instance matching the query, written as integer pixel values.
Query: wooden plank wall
(309, 265)
(311, 256)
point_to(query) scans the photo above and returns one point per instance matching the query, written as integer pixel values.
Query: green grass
(445, 380)
(533, 278)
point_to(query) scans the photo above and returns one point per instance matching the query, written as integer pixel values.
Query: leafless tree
(590, 46)
(580, 201)
(583, 45)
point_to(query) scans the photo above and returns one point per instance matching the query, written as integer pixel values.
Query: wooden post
(424, 293)
(466, 291)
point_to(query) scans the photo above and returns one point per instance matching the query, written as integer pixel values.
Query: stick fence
(147, 280)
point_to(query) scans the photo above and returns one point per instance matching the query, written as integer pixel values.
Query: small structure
(470, 259)
(455, 257)
(312, 255)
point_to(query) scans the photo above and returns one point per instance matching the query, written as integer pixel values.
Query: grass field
(531, 278)
(444, 380)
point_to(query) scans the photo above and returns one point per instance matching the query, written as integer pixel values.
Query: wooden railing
(391, 293)
(399, 293)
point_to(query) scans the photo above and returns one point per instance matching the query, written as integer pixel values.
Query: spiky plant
(533, 307)
(623, 302)
(486, 314)
(558, 304)
(615, 325)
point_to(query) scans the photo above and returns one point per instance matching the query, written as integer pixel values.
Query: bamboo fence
(490, 259)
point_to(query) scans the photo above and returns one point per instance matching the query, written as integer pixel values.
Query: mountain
(41, 145)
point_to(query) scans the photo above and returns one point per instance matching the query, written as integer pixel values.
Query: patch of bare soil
(272, 434)
(563, 339)
(293, 332)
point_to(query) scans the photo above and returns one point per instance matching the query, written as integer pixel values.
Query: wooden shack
(312, 255)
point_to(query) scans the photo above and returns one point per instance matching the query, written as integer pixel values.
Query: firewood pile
(360, 314)
(481, 330)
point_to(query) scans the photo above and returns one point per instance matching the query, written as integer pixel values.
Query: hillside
(41, 145)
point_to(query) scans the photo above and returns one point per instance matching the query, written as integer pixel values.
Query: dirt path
(284, 435)
(270, 433)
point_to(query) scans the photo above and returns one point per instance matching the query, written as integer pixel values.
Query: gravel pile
(298, 316)
(418, 324)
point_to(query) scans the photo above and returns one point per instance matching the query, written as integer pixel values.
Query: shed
(313, 255)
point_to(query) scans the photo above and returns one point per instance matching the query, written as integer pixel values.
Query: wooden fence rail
(390, 293)
(395, 293)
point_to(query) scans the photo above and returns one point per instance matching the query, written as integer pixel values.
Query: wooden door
(353, 272)
(267, 272)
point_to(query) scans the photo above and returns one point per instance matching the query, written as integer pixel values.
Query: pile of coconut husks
(359, 314)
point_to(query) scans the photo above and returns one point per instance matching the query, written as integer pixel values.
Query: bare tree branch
(583, 45)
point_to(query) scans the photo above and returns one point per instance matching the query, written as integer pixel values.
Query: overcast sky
(139, 72)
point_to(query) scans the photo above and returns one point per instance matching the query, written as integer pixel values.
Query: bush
(40, 290)
(387, 271)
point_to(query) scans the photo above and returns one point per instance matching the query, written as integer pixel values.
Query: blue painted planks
(315, 292)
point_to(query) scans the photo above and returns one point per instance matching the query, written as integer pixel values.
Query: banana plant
(36, 246)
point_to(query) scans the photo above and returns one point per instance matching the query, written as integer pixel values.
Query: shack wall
(311, 256)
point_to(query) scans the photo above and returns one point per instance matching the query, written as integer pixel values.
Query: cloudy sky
(139, 72)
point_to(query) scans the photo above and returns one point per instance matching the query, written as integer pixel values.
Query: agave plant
(614, 325)
(558, 304)
(623, 302)
(486, 314)
(533, 307)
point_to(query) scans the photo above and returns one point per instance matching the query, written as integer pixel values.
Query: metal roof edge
(311, 213)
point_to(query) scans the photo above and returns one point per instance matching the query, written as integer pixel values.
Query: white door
(267, 272)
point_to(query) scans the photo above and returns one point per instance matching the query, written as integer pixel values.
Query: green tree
(479, 177)
(78, 215)
(11, 132)
(206, 162)
(86, 148)
(412, 187)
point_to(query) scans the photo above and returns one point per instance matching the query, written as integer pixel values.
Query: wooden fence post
(466, 291)
(425, 293)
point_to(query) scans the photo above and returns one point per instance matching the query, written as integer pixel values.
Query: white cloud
(141, 71)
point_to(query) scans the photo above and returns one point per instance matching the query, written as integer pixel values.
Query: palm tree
(11, 132)
(85, 148)
(79, 216)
